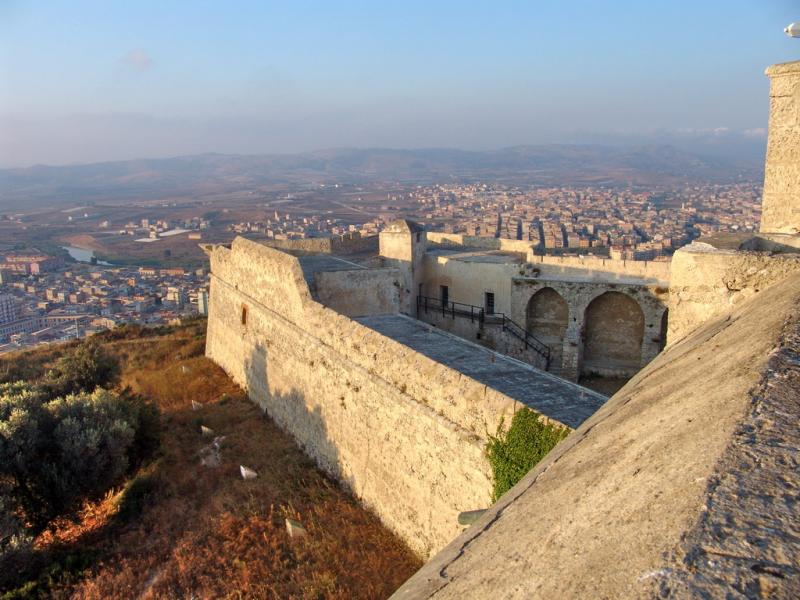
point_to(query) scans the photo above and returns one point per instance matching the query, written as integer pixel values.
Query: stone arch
(546, 317)
(613, 332)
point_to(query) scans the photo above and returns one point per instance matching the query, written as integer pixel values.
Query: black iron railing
(426, 304)
(450, 309)
(525, 336)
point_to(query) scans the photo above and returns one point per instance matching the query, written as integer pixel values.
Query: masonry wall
(344, 244)
(579, 295)
(457, 240)
(602, 269)
(588, 266)
(781, 203)
(360, 292)
(405, 433)
(514, 284)
(707, 282)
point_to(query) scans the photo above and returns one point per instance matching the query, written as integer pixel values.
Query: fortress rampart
(681, 485)
(404, 432)
(349, 243)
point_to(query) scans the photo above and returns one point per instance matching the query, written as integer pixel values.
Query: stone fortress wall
(348, 243)
(682, 485)
(598, 316)
(359, 403)
(639, 498)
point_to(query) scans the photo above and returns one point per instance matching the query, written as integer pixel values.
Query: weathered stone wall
(360, 292)
(404, 432)
(515, 283)
(707, 282)
(781, 202)
(681, 486)
(457, 240)
(351, 243)
(602, 269)
(579, 295)
(605, 269)
(404, 249)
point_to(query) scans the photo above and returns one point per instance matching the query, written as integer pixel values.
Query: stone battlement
(404, 430)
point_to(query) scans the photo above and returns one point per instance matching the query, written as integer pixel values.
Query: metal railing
(450, 309)
(477, 313)
(530, 340)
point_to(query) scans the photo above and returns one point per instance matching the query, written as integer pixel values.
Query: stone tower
(403, 244)
(781, 202)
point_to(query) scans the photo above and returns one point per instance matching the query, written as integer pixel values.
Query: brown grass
(206, 533)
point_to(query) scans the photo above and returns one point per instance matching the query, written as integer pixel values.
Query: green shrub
(58, 452)
(82, 370)
(514, 452)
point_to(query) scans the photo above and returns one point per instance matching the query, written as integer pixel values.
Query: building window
(444, 294)
(488, 303)
(244, 314)
(419, 237)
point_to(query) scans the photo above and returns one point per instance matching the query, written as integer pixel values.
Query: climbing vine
(515, 451)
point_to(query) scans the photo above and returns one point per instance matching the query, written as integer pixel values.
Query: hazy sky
(98, 80)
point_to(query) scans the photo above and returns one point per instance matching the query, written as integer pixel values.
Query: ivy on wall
(514, 452)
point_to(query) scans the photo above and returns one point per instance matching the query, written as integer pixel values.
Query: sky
(86, 81)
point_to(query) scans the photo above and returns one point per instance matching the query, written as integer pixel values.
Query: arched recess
(546, 318)
(612, 336)
(664, 323)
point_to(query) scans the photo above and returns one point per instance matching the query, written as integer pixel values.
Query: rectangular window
(444, 294)
(488, 303)
(244, 315)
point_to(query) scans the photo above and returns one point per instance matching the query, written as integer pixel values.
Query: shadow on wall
(290, 410)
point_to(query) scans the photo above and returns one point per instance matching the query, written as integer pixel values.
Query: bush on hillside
(83, 369)
(514, 452)
(57, 452)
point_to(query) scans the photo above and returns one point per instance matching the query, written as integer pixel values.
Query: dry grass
(203, 532)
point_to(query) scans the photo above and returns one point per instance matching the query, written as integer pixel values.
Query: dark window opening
(244, 315)
(444, 294)
(419, 237)
(488, 303)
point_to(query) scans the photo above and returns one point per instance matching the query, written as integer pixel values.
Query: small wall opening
(488, 303)
(663, 333)
(244, 314)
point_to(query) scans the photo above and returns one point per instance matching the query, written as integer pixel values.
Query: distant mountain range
(212, 174)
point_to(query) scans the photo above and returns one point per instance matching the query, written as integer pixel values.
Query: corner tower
(781, 201)
(403, 244)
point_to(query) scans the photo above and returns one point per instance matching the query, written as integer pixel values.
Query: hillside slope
(181, 529)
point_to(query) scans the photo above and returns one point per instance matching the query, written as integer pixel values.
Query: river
(83, 255)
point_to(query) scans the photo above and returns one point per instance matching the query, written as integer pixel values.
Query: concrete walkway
(547, 394)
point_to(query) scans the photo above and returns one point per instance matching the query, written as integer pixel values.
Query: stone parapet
(707, 282)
